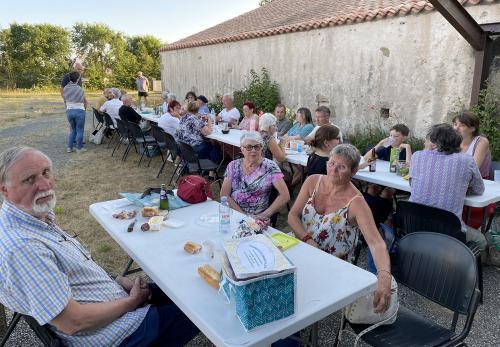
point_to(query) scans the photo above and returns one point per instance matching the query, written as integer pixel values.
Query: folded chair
(165, 141)
(110, 127)
(411, 217)
(123, 137)
(47, 336)
(99, 117)
(441, 269)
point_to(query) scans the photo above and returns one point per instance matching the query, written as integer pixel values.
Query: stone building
(365, 59)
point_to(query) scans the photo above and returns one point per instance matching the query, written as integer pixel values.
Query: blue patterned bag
(264, 299)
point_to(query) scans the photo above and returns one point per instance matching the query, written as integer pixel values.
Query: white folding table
(325, 284)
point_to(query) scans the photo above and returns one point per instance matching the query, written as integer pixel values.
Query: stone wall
(416, 68)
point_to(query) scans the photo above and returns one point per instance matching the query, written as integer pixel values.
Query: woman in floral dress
(329, 212)
(248, 181)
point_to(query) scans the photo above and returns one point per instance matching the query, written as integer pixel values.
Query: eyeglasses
(249, 148)
(340, 167)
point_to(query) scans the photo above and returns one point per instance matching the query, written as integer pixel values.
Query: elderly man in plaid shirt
(47, 274)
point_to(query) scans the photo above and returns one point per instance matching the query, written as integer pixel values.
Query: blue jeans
(206, 150)
(164, 324)
(76, 119)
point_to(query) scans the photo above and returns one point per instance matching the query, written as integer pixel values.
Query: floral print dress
(332, 232)
(251, 192)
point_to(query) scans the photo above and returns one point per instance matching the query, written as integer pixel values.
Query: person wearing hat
(202, 103)
(142, 87)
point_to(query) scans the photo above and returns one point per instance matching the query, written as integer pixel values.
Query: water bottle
(212, 115)
(224, 216)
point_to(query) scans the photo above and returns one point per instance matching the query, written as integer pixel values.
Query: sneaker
(69, 150)
(81, 150)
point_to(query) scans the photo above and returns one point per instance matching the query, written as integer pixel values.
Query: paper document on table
(254, 256)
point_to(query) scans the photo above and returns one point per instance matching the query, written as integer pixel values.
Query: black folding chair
(110, 127)
(165, 141)
(441, 269)
(411, 217)
(137, 136)
(47, 336)
(192, 163)
(99, 117)
(123, 137)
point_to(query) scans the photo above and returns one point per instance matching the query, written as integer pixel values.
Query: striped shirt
(73, 96)
(42, 267)
(442, 180)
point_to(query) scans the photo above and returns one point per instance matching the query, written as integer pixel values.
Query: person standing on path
(142, 87)
(76, 104)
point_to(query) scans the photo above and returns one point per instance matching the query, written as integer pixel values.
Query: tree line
(38, 55)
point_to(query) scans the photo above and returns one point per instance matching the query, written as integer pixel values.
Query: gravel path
(48, 135)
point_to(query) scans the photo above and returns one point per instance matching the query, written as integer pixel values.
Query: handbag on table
(194, 189)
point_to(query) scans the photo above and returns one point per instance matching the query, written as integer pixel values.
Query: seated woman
(330, 211)
(250, 120)
(302, 127)
(169, 121)
(467, 125)
(192, 131)
(267, 128)
(324, 140)
(248, 181)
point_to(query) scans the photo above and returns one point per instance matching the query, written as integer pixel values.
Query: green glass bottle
(163, 198)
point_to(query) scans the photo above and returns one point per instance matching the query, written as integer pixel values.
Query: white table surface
(150, 117)
(325, 283)
(383, 177)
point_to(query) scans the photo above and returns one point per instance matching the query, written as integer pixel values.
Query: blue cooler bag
(263, 299)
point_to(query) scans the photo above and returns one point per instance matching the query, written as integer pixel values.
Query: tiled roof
(287, 16)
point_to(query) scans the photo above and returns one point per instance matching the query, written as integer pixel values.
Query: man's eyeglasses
(71, 239)
(249, 148)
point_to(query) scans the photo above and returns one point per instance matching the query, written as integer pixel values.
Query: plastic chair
(110, 126)
(192, 163)
(99, 117)
(441, 269)
(137, 136)
(411, 217)
(47, 336)
(165, 141)
(123, 136)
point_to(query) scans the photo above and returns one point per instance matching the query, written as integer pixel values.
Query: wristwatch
(306, 238)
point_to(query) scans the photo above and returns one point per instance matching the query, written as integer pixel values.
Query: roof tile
(285, 16)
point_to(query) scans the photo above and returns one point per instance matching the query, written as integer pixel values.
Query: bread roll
(209, 275)
(148, 211)
(192, 247)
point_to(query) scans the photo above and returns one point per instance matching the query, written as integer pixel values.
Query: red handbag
(194, 189)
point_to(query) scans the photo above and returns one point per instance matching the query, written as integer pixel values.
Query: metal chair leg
(127, 270)
(10, 329)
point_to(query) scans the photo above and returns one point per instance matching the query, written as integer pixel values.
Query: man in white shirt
(229, 114)
(322, 117)
(112, 106)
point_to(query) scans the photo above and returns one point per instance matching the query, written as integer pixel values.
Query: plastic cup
(496, 175)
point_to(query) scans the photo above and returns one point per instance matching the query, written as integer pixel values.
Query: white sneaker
(69, 150)
(81, 150)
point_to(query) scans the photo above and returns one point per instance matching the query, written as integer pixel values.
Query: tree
(146, 50)
(33, 54)
(264, 2)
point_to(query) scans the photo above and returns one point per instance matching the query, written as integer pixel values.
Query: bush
(216, 105)
(263, 92)
(488, 110)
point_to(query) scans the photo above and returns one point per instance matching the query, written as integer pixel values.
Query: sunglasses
(249, 148)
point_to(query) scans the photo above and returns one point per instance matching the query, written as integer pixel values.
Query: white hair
(116, 93)
(266, 120)
(172, 96)
(165, 94)
(229, 96)
(349, 153)
(10, 156)
(251, 135)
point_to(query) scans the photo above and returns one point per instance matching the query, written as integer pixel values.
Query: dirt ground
(82, 179)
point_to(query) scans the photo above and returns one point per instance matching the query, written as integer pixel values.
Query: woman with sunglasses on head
(248, 181)
(329, 213)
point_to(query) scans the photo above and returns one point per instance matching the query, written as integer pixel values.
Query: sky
(168, 20)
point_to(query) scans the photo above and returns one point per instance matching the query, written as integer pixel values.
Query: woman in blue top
(302, 127)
